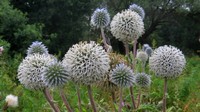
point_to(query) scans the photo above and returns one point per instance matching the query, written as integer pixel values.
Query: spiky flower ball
(55, 74)
(142, 56)
(145, 46)
(100, 18)
(88, 62)
(31, 68)
(149, 51)
(138, 9)
(126, 26)
(37, 47)
(122, 76)
(11, 100)
(167, 61)
(142, 80)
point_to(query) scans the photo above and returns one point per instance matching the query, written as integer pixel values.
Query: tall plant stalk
(65, 100)
(104, 39)
(50, 100)
(164, 95)
(121, 99)
(79, 98)
(91, 98)
(139, 98)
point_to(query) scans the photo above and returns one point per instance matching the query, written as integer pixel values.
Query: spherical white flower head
(126, 26)
(167, 61)
(55, 74)
(100, 18)
(142, 80)
(138, 9)
(31, 68)
(37, 47)
(122, 76)
(142, 56)
(11, 100)
(88, 62)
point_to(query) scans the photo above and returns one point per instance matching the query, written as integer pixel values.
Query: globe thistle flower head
(142, 56)
(100, 18)
(31, 68)
(122, 76)
(167, 62)
(138, 9)
(149, 51)
(37, 47)
(145, 46)
(87, 62)
(126, 26)
(142, 80)
(55, 74)
(11, 100)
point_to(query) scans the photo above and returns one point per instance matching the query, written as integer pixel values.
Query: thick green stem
(139, 98)
(50, 100)
(65, 101)
(91, 98)
(79, 98)
(121, 100)
(132, 97)
(164, 95)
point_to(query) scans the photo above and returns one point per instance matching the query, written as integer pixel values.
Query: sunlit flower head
(55, 74)
(138, 9)
(126, 26)
(100, 18)
(167, 61)
(31, 68)
(1, 50)
(142, 80)
(87, 62)
(11, 100)
(37, 47)
(122, 76)
(142, 56)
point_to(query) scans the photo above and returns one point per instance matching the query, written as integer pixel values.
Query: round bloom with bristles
(31, 68)
(142, 56)
(142, 80)
(122, 76)
(145, 46)
(55, 74)
(167, 61)
(138, 9)
(37, 47)
(149, 51)
(127, 25)
(11, 100)
(100, 18)
(87, 62)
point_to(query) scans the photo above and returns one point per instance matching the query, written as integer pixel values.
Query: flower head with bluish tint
(126, 26)
(55, 74)
(31, 68)
(122, 76)
(88, 62)
(100, 18)
(138, 9)
(167, 61)
(11, 100)
(142, 80)
(37, 47)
